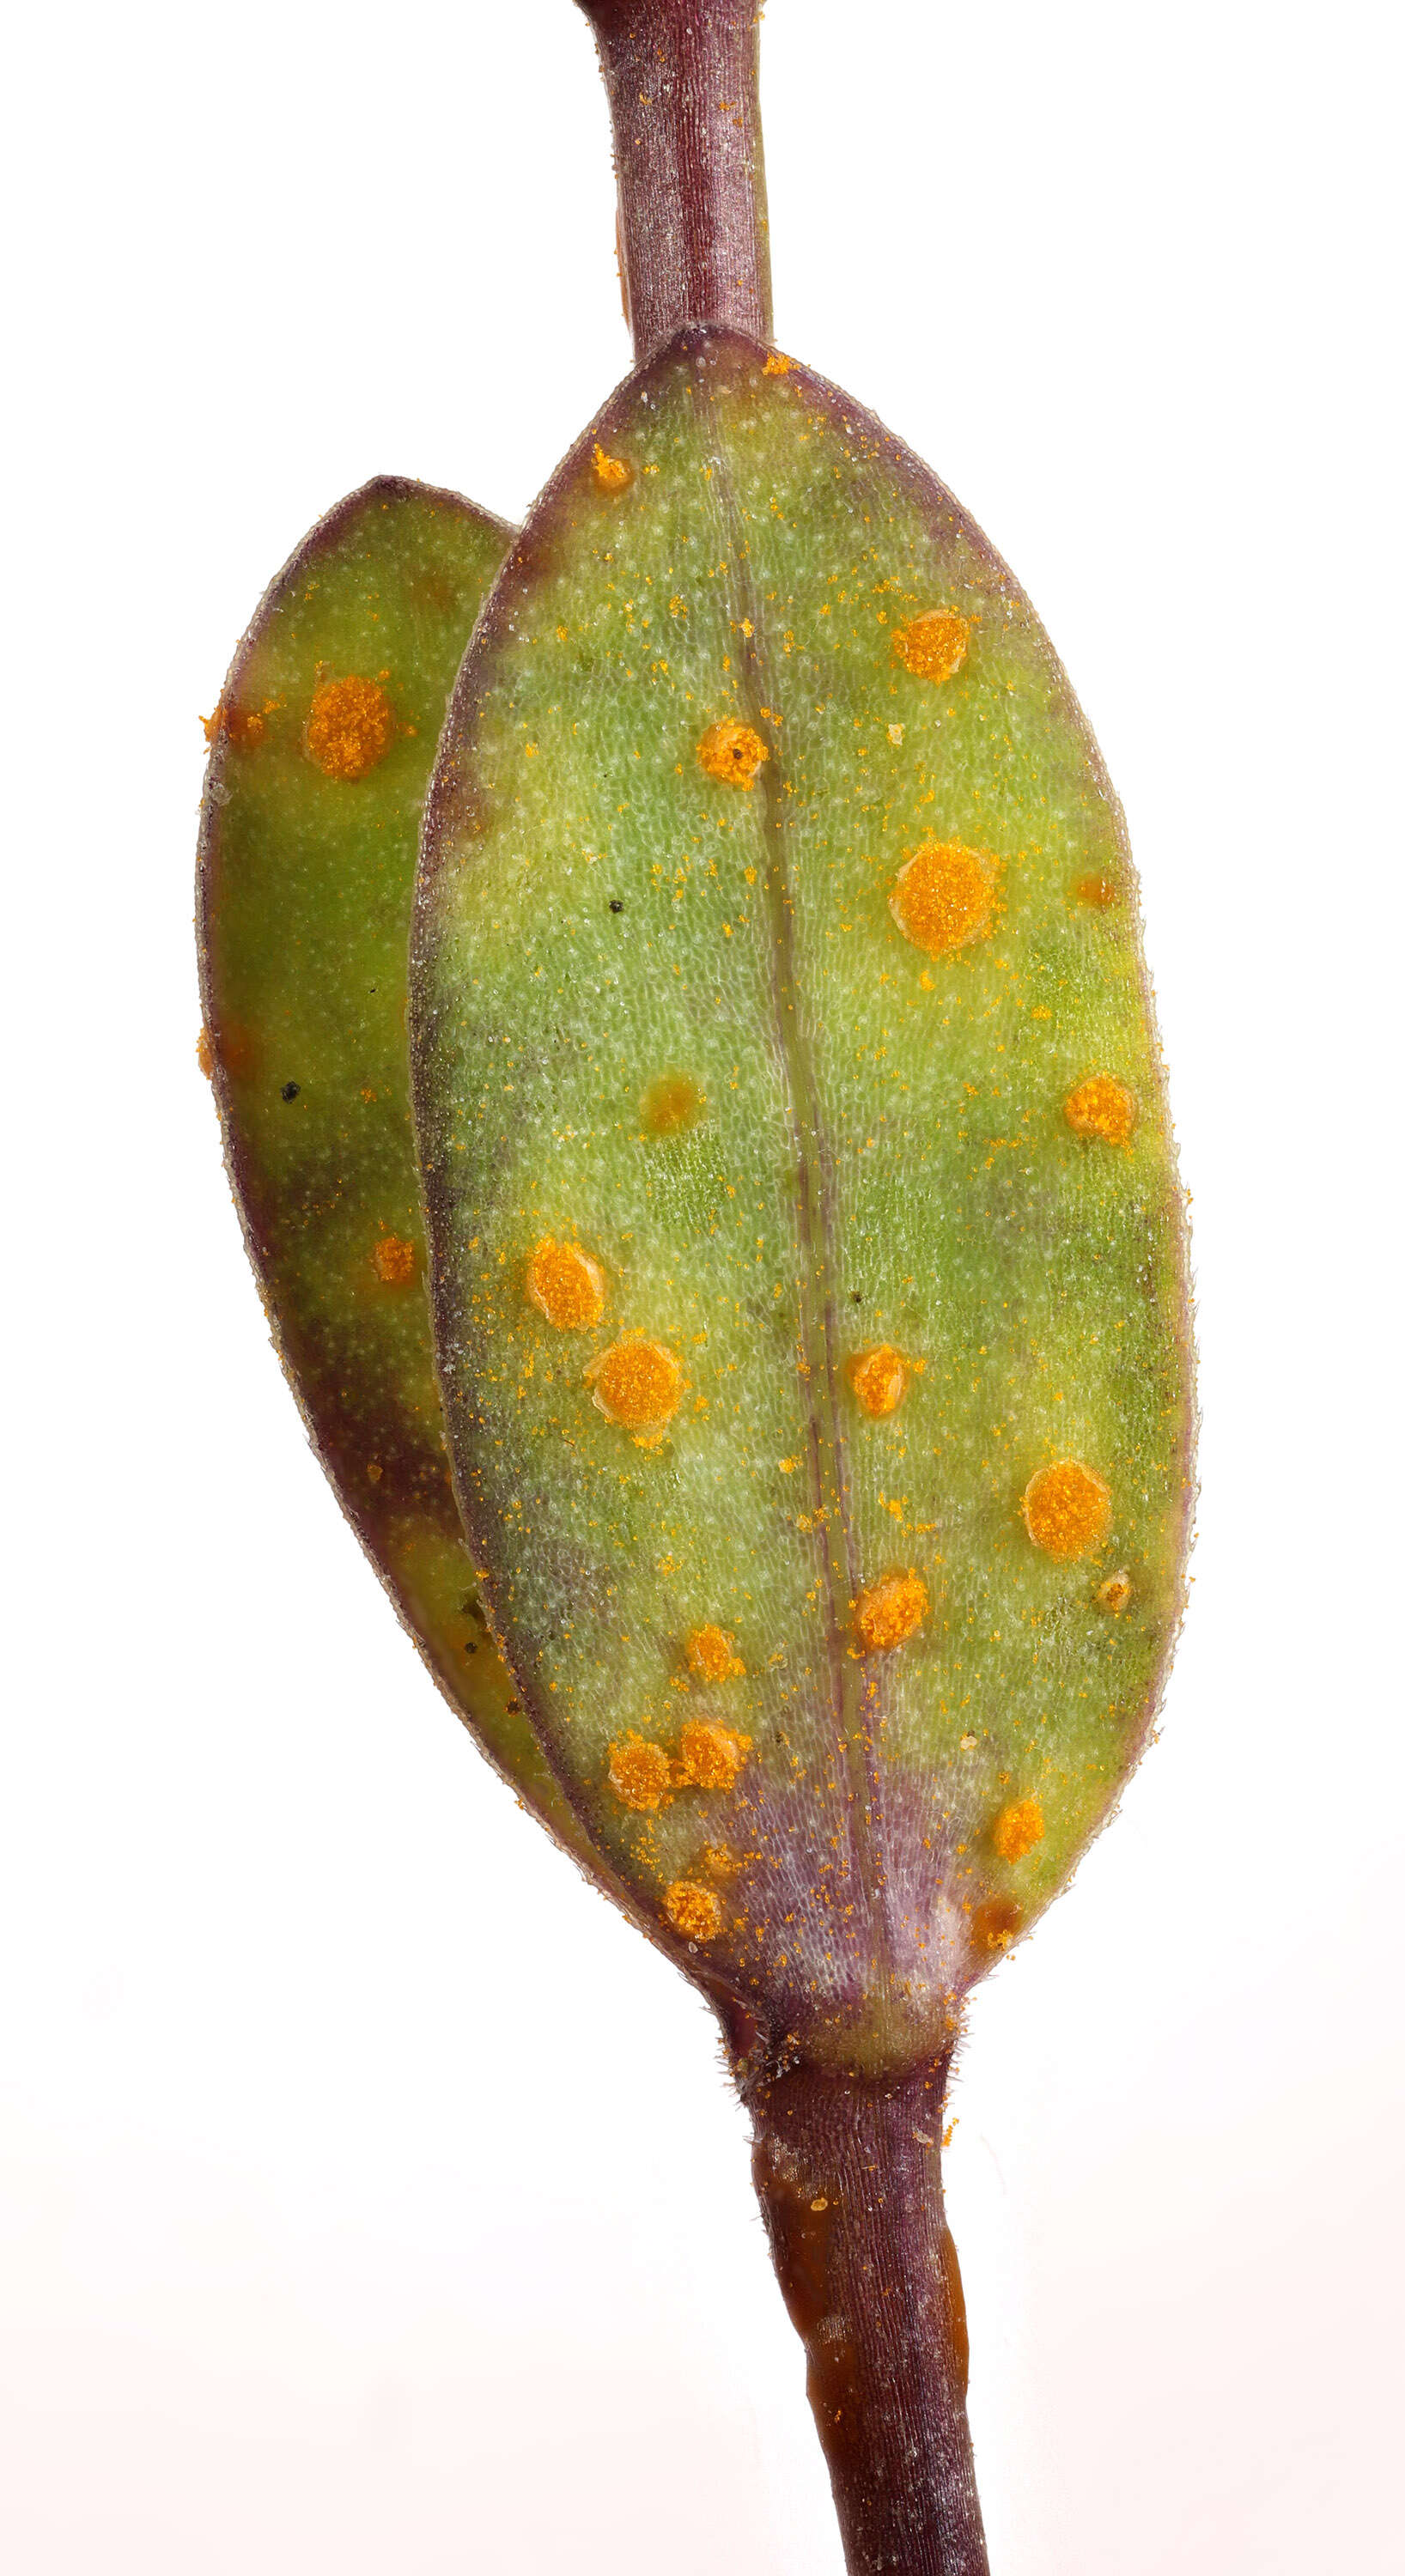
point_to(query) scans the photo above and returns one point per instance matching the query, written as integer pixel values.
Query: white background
(370, 2198)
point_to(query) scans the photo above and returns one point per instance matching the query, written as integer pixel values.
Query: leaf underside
(670, 1020)
(306, 882)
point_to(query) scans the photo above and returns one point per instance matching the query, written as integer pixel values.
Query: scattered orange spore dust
(671, 1104)
(566, 1286)
(205, 1055)
(944, 897)
(351, 726)
(890, 1612)
(1017, 1829)
(1114, 1595)
(721, 1862)
(638, 1384)
(731, 752)
(1101, 892)
(710, 1756)
(612, 473)
(1066, 1508)
(640, 1774)
(692, 1910)
(994, 1924)
(1103, 1108)
(880, 1378)
(396, 1260)
(710, 1656)
(775, 364)
(933, 647)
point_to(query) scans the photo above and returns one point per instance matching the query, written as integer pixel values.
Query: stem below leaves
(682, 82)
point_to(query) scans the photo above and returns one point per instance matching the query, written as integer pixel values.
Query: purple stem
(682, 82)
(848, 2173)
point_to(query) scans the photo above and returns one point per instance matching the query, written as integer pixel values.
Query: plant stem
(848, 2173)
(682, 82)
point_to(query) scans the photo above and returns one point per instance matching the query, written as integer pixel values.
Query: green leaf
(754, 713)
(322, 746)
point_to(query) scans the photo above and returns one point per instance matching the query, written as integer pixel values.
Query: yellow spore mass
(612, 473)
(933, 647)
(395, 1261)
(1114, 1595)
(692, 1910)
(775, 364)
(640, 1774)
(731, 752)
(1066, 1508)
(566, 1286)
(671, 1104)
(890, 1612)
(350, 727)
(880, 1378)
(944, 897)
(710, 1756)
(1017, 1829)
(637, 1383)
(1103, 1108)
(710, 1656)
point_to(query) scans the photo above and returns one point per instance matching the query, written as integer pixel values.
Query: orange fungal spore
(995, 1923)
(672, 1104)
(889, 1612)
(245, 727)
(710, 1656)
(351, 726)
(1099, 891)
(566, 1286)
(732, 752)
(638, 1384)
(710, 1756)
(612, 473)
(1067, 1508)
(395, 1260)
(640, 1774)
(1103, 1108)
(944, 897)
(205, 1055)
(692, 1910)
(1114, 1595)
(774, 364)
(880, 1378)
(1017, 1829)
(933, 647)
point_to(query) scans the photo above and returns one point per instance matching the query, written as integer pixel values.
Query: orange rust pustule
(205, 1055)
(710, 1757)
(1067, 1508)
(1102, 1108)
(1114, 1595)
(396, 1261)
(672, 1104)
(710, 1655)
(880, 1378)
(732, 752)
(638, 1384)
(245, 727)
(692, 1910)
(889, 1612)
(775, 364)
(1017, 1829)
(944, 897)
(640, 1774)
(933, 647)
(612, 473)
(566, 1286)
(350, 727)
(995, 1923)
(1100, 892)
